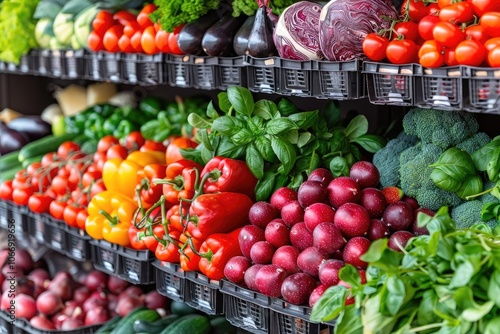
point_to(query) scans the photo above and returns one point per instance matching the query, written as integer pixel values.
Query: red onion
(42, 322)
(5, 300)
(96, 280)
(96, 299)
(58, 319)
(39, 276)
(117, 285)
(154, 300)
(81, 294)
(127, 304)
(25, 286)
(132, 290)
(72, 323)
(23, 261)
(49, 303)
(63, 288)
(96, 316)
(25, 306)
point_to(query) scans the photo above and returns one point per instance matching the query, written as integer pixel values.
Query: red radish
(71, 324)
(343, 190)
(49, 303)
(25, 306)
(412, 201)
(282, 196)
(154, 300)
(262, 252)
(318, 213)
(297, 288)
(373, 201)
(261, 213)
(300, 236)
(277, 233)
(249, 235)
(399, 240)
(116, 284)
(352, 219)
(249, 276)
(127, 304)
(23, 261)
(235, 269)
(285, 257)
(353, 250)
(398, 216)
(322, 175)
(269, 280)
(42, 322)
(292, 213)
(329, 272)
(327, 238)
(81, 294)
(415, 228)
(365, 173)
(309, 261)
(39, 276)
(378, 230)
(96, 316)
(62, 288)
(311, 192)
(96, 280)
(316, 294)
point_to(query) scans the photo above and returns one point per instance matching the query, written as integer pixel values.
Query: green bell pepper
(124, 128)
(150, 106)
(134, 115)
(94, 126)
(112, 122)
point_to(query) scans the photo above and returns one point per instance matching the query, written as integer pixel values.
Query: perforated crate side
(295, 77)
(29, 329)
(23, 67)
(287, 318)
(484, 90)
(37, 226)
(5, 323)
(56, 63)
(393, 84)
(105, 257)
(92, 67)
(263, 75)
(5, 214)
(204, 72)
(110, 64)
(19, 215)
(444, 87)
(73, 64)
(170, 280)
(39, 61)
(142, 68)
(78, 244)
(136, 266)
(56, 234)
(338, 80)
(203, 294)
(179, 70)
(231, 71)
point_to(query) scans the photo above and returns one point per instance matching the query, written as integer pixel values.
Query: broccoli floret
(488, 197)
(474, 143)
(441, 128)
(387, 159)
(468, 214)
(415, 177)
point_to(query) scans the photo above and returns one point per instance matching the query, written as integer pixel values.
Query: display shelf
(203, 294)
(170, 280)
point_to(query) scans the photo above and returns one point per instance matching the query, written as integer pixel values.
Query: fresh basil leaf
(211, 112)
(456, 163)
(304, 139)
(285, 153)
(487, 211)
(161, 134)
(349, 321)
(192, 154)
(255, 161)
(472, 185)
(291, 136)
(242, 137)
(330, 304)
(264, 187)
(350, 275)
(227, 125)
(357, 127)
(445, 181)
(339, 142)
(199, 122)
(462, 275)
(475, 314)
(286, 107)
(305, 120)
(280, 181)
(339, 167)
(425, 313)
(229, 150)
(373, 319)
(396, 294)
(356, 154)
(204, 138)
(256, 125)
(148, 129)
(376, 250)
(266, 109)
(308, 163)
(483, 156)
(493, 167)
(263, 145)
(280, 125)
(331, 114)
(206, 154)
(241, 99)
(371, 143)
(224, 103)
(296, 181)
(494, 288)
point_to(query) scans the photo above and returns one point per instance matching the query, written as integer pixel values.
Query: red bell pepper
(217, 213)
(181, 180)
(168, 251)
(151, 238)
(149, 193)
(228, 175)
(216, 251)
(135, 242)
(189, 258)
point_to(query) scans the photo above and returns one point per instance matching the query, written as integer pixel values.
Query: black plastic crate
(92, 67)
(78, 244)
(56, 63)
(246, 309)
(40, 61)
(263, 74)
(393, 84)
(26, 327)
(484, 90)
(293, 319)
(170, 280)
(444, 87)
(111, 67)
(203, 293)
(204, 72)
(142, 68)
(135, 266)
(5, 214)
(179, 70)
(5, 322)
(105, 256)
(340, 80)
(73, 64)
(22, 68)
(19, 215)
(295, 77)
(231, 71)
(37, 226)
(55, 236)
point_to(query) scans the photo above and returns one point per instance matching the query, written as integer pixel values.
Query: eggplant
(240, 40)
(11, 140)
(33, 126)
(218, 40)
(190, 36)
(260, 40)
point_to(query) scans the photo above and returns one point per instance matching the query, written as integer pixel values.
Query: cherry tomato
(143, 16)
(173, 45)
(124, 44)
(56, 209)
(105, 143)
(491, 23)
(89, 177)
(494, 57)
(6, 190)
(79, 197)
(477, 33)
(492, 43)
(48, 158)
(81, 218)
(417, 9)
(148, 41)
(374, 46)
(117, 151)
(94, 42)
(39, 203)
(60, 185)
(483, 6)
(111, 37)
(124, 17)
(173, 153)
(74, 177)
(134, 141)
(450, 58)
(102, 22)
(22, 195)
(408, 29)
(33, 167)
(66, 149)
(131, 28)
(431, 54)
(458, 12)
(97, 187)
(448, 34)
(402, 51)
(49, 192)
(151, 145)
(135, 40)
(426, 25)
(444, 3)
(161, 40)
(69, 214)
(470, 52)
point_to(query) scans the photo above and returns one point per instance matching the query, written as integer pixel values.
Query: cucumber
(181, 308)
(126, 325)
(220, 325)
(154, 327)
(44, 145)
(109, 325)
(28, 161)
(9, 174)
(9, 160)
(189, 324)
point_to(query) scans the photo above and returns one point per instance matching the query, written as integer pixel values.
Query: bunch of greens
(249, 7)
(172, 13)
(18, 29)
(446, 282)
(280, 144)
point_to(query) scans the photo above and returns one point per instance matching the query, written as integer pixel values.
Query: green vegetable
(109, 325)
(9, 160)
(220, 325)
(249, 7)
(126, 325)
(110, 125)
(150, 106)
(445, 282)
(8, 174)
(189, 324)
(157, 326)
(94, 126)
(180, 308)
(44, 32)
(29, 161)
(172, 13)
(82, 26)
(123, 128)
(44, 145)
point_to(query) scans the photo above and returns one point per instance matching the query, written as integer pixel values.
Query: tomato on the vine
(151, 145)
(69, 214)
(89, 177)
(67, 149)
(450, 58)
(48, 159)
(33, 168)
(60, 185)
(56, 208)
(425, 26)
(477, 33)
(134, 141)
(448, 34)
(81, 218)
(106, 142)
(21, 195)
(6, 190)
(458, 12)
(470, 52)
(402, 51)
(431, 54)
(494, 57)
(374, 46)
(97, 187)
(117, 151)
(39, 202)
(483, 6)
(444, 3)
(417, 9)
(408, 29)
(491, 23)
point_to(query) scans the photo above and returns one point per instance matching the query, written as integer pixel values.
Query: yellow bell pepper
(121, 175)
(110, 216)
